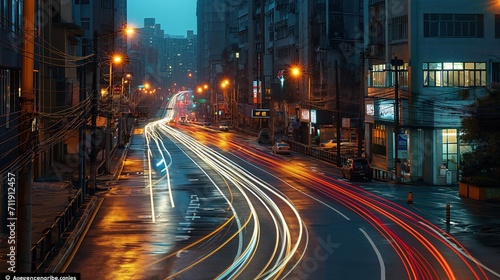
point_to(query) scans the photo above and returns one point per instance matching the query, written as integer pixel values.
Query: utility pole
(93, 144)
(396, 63)
(26, 133)
(337, 106)
(361, 106)
(262, 77)
(82, 168)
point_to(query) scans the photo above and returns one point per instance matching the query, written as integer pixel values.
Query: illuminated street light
(296, 71)
(93, 154)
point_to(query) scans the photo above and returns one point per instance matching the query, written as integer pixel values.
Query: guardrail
(316, 152)
(46, 245)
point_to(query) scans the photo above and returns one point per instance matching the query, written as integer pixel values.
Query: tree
(481, 131)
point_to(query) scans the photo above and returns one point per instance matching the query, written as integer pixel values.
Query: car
(281, 148)
(357, 168)
(224, 127)
(264, 136)
(332, 143)
(207, 124)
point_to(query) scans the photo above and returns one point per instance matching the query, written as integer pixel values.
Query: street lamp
(203, 92)
(297, 72)
(116, 59)
(93, 154)
(224, 84)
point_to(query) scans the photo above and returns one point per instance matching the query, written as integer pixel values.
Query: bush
(484, 181)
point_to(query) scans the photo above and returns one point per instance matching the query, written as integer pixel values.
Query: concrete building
(448, 55)
(10, 83)
(178, 62)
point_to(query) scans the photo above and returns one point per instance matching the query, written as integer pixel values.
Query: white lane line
(379, 256)
(459, 250)
(296, 189)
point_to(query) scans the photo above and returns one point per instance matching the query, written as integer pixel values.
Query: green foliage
(484, 181)
(481, 130)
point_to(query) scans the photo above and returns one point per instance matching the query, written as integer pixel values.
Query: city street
(222, 205)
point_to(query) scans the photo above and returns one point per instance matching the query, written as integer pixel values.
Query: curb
(60, 259)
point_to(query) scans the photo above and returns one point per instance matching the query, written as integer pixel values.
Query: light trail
(366, 205)
(253, 191)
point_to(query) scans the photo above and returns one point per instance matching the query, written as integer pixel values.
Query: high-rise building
(178, 62)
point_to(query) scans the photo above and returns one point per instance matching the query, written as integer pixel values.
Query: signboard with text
(402, 146)
(260, 113)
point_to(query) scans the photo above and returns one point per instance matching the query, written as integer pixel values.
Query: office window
(379, 139)
(107, 4)
(450, 148)
(402, 76)
(378, 76)
(453, 26)
(85, 23)
(454, 74)
(399, 28)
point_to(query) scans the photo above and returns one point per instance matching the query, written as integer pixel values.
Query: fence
(329, 156)
(46, 245)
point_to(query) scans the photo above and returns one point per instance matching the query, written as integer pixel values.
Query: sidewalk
(49, 199)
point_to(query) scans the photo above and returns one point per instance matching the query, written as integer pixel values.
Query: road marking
(460, 250)
(379, 256)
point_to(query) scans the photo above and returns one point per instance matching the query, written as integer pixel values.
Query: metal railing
(52, 236)
(316, 152)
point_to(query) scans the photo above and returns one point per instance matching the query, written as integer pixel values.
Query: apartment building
(447, 55)
(359, 58)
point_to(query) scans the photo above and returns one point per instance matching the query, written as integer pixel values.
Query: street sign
(260, 113)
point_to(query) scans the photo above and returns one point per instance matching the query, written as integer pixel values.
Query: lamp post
(203, 92)
(225, 86)
(94, 110)
(115, 59)
(297, 72)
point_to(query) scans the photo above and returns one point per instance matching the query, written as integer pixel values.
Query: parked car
(264, 136)
(224, 127)
(357, 168)
(207, 124)
(332, 143)
(281, 148)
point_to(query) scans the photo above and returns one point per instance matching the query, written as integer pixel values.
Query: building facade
(10, 83)
(448, 55)
(386, 71)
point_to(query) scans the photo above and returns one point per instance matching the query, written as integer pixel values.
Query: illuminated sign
(370, 110)
(386, 111)
(256, 92)
(260, 113)
(304, 115)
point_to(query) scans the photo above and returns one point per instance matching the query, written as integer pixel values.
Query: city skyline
(175, 18)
